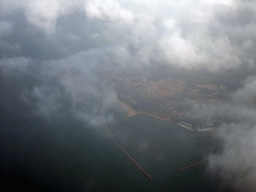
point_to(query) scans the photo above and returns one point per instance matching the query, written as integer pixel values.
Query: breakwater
(190, 166)
(127, 154)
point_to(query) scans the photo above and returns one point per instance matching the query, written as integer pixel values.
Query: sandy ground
(130, 111)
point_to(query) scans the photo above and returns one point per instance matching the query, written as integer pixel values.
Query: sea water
(162, 148)
(44, 156)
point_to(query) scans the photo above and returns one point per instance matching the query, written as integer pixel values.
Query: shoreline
(132, 112)
(161, 118)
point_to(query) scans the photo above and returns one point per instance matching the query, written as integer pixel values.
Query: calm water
(48, 156)
(161, 148)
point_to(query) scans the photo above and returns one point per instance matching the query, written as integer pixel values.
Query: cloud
(65, 45)
(5, 28)
(119, 35)
(108, 10)
(14, 65)
(45, 13)
(225, 111)
(46, 100)
(236, 163)
(247, 94)
(235, 120)
(188, 42)
(90, 99)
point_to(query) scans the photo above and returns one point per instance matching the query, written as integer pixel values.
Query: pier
(127, 154)
(190, 166)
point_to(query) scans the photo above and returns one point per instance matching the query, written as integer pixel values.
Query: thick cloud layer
(236, 163)
(235, 121)
(63, 44)
(189, 34)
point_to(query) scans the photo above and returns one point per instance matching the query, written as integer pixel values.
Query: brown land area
(165, 119)
(130, 111)
(210, 87)
(162, 88)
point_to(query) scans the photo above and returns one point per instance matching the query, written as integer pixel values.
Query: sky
(51, 51)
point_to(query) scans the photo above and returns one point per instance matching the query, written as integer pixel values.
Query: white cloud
(108, 10)
(45, 13)
(225, 2)
(236, 163)
(149, 25)
(169, 23)
(178, 50)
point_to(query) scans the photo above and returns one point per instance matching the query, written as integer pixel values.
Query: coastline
(161, 118)
(132, 112)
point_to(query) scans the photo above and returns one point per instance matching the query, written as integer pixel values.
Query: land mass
(166, 98)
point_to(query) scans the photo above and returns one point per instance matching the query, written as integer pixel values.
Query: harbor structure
(186, 125)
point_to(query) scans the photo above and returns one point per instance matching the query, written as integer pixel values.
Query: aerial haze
(71, 69)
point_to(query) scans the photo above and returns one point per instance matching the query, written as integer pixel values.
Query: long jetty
(190, 166)
(127, 154)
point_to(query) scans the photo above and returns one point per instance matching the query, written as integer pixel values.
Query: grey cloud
(247, 94)
(14, 65)
(240, 16)
(90, 99)
(239, 26)
(5, 28)
(223, 111)
(46, 100)
(185, 46)
(236, 163)
(74, 33)
(27, 40)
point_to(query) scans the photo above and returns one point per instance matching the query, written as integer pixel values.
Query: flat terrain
(167, 98)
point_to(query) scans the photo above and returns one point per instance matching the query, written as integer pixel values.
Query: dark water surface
(162, 148)
(47, 156)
